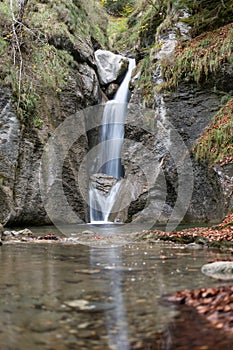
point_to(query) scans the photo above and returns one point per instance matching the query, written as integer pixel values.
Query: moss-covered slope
(41, 43)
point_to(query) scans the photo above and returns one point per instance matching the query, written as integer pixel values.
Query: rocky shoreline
(217, 236)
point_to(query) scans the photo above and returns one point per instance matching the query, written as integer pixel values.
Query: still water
(63, 296)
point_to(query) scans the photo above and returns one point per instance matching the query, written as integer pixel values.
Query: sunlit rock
(110, 67)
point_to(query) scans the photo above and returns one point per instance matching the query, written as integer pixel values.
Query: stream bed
(64, 296)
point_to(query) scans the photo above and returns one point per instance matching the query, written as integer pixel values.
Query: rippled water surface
(70, 296)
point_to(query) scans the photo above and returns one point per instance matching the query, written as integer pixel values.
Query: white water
(112, 137)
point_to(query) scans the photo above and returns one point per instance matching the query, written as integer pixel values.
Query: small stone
(194, 246)
(88, 232)
(80, 304)
(87, 271)
(7, 233)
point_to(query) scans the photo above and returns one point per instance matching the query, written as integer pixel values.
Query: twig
(223, 4)
(32, 32)
(15, 36)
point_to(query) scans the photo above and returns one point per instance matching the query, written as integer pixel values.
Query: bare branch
(223, 4)
(16, 49)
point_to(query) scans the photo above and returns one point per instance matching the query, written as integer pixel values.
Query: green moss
(216, 144)
(200, 58)
(40, 69)
(207, 15)
(145, 83)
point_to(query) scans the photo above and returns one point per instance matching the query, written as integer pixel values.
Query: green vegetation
(118, 7)
(135, 31)
(201, 57)
(207, 15)
(216, 143)
(145, 83)
(30, 63)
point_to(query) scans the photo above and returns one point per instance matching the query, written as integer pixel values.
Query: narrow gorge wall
(188, 109)
(58, 78)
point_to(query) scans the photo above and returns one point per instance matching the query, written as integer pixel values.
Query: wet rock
(85, 305)
(21, 150)
(88, 271)
(80, 304)
(11, 235)
(103, 182)
(9, 151)
(220, 270)
(1, 230)
(45, 322)
(111, 90)
(183, 113)
(111, 67)
(81, 50)
(88, 232)
(89, 87)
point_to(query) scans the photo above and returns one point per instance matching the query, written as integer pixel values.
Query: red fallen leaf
(219, 325)
(216, 308)
(227, 308)
(202, 309)
(209, 292)
(50, 236)
(175, 298)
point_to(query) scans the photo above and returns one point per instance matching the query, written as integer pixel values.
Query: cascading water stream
(112, 137)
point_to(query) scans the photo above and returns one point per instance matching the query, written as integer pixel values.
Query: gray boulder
(110, 67)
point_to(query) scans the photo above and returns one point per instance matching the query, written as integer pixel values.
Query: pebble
(87, 271)
(88, 232)
(80, 304)
(220, 270)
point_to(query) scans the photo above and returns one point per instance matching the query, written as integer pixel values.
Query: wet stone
(85, 305)
(88, 232)
(80, 304)
(43, 324)
(88, 272)
(220, 270)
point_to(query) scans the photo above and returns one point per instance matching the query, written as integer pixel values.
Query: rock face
(9, 153)
(21, 148)
(152, 137)
(111, 67)
(22, 144)
(58, 80)
(151, 188)
(103, 183)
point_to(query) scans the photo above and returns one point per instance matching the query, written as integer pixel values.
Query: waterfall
(112, 137)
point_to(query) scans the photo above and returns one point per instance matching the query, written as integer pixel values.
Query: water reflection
(117, 328)
(72, 297)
